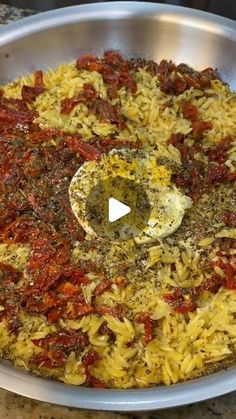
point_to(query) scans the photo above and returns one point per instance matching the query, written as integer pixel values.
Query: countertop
(9, 14)
(13, 406)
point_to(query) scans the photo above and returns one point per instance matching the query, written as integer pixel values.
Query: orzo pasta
(118, 315)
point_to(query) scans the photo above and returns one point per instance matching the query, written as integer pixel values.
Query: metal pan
(137, 29)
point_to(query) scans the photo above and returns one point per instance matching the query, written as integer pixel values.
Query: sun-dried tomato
(230, 277)
(88, 62)
(13, 104)
(94, 381)
(89, 92)
(175, 80)
(218, 153)
(216, 174)
(213, 284)
(9, 274)
(38, 79)
(11, 314)
(77, 276)
(180, 303)
(146, 320)
(117, 311)
(126, 80)
(108, 144)
(86, 150)
(104, 330)
(166, 85)
(231, 176)
(55, 314)
(112, 92)
(63, 341)
(176, 139)
(109, 75)
(192, 82)
(100, 288)
(189, 111)
(199, 127)
(113, 58)
(88, 96)
(186, 307)
(51, 359)
(165, 67)
(229, 219)
(29, 93)
(68, 104)
(47, 262)
(120, 281)
(35, 211)
(50, 299)
(114, 69)
(9, 115)
(23, 230)
(68, 289)
(90, 358)
(197, 177)
(106, 112)
(32, 301)
(38, 135)
(41, 253)
(78, 309)
(180, 85)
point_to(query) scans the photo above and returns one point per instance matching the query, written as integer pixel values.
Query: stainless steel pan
(137, 29)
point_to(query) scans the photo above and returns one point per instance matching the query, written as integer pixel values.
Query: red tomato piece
(230, 219)
(103, 286)
(86, 150)
(117, 311)
(88, 62)
(199, 127)
(145, 319)
(230, 277)
(189, 111)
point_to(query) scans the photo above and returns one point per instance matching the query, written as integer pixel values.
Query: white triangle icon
(117, 210)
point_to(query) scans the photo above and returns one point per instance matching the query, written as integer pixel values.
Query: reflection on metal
(225, 8)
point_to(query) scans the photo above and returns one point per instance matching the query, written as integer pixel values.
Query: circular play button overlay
(118, 209)
(127, 194)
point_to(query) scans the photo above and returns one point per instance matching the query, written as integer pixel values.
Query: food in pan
(134, 313)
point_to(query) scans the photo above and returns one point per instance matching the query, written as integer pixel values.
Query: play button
(127, 194)
(109, 196)
(117, 210)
